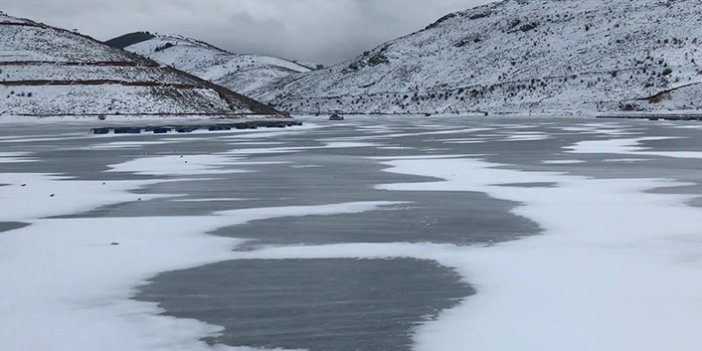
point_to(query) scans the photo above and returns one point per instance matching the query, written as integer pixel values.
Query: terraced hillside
(47, 71)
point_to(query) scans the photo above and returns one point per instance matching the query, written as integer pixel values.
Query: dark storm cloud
(317, 30)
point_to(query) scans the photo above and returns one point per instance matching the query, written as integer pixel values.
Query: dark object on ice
(219, 128)
(127, 130)
(336, 117)
(655, 116)
(187, 128)
(52, 195)
(23, 185)
(427, 114)
(114, 244)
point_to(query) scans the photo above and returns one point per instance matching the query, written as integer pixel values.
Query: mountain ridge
(242, 73)
(541, 56)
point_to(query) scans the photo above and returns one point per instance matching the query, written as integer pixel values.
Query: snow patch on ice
(16, 157)
(216, 199)
(126, 145)
(296, 149)
(628, 147)
(625, 160)
(348, 144)
(307, 166)
(527, 136)
(179, 165)
(33, 195)
(563, 162)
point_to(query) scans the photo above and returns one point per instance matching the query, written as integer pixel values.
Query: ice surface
(616, 269)
(77, 275)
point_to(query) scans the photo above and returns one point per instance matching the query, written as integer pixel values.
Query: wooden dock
(656, 117)
(189, 128)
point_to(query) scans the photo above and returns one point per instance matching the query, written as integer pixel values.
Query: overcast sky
(326, 31)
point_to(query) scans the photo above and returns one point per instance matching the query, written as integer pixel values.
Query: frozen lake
(367, 234)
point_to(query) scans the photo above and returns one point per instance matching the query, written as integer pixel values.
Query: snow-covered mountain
(240, 73)
(521, 55)
(50, 71)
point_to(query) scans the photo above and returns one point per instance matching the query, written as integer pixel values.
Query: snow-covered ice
(629, 147)
(15, 157)
(67, 283)
(178, 165)
(563, 162)
(35, 195)
(617, 267)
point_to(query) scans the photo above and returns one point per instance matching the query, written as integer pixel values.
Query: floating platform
(189, 128)
(656, 117)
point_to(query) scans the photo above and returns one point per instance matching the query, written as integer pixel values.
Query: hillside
(47, 71)
(240, 73)
(541, 56)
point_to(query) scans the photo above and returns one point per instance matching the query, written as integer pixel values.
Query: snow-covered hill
(521, 55)
(50, 71)
(240, 73)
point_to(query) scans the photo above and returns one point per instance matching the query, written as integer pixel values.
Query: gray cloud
(324, 31)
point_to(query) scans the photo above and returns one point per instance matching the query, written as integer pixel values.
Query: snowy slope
(241, 73)
(521, 55)
(51, 71)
